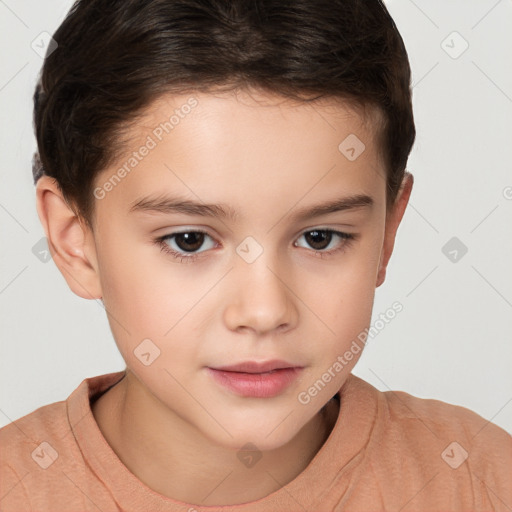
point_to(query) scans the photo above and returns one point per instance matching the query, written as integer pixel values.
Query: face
(212, 249)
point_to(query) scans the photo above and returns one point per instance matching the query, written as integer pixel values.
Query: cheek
(346, 303)
(346, 308)
(350, 289)
(143, 286)
(149, 297)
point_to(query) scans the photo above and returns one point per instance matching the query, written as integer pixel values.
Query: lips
(256, 379)
(256, 367)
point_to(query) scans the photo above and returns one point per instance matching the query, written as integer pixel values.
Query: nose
(260, 298)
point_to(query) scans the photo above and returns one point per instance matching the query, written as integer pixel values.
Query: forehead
(231, 147)
(257, 105)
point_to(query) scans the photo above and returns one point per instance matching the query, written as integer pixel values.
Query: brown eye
(324, 242)
(318, 239)
(186, 243)
(190, 241)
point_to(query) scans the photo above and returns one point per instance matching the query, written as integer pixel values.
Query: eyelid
(346, 240)
(198, 229)
(207, 231)
(194, 230)
(340, 228)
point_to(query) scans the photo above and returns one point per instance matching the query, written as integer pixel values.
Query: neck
(184, 465)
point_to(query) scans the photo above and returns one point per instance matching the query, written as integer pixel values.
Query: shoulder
(471, 452)
(43, 464)
(421, 454)
(28, 432)
(410, 414)
(29, 444)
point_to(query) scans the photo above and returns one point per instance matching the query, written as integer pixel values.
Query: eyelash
(348, 239)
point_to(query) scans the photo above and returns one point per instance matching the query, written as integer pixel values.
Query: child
(228, 178)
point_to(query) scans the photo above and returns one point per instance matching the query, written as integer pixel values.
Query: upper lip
(256, 367)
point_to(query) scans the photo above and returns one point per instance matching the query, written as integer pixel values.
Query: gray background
(452, 341)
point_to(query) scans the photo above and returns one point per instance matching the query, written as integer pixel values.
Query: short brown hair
(115, 57)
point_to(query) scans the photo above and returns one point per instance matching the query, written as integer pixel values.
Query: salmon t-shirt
(388, 451)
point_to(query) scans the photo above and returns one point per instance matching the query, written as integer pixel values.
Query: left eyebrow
(175, 204)
(352, 202)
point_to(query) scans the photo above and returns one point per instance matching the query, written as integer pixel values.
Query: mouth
(256, 379)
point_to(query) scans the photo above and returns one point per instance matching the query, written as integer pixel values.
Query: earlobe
(71, 242)
(392, 222)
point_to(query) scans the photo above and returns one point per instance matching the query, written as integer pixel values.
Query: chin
(252, 440)
(265, 433)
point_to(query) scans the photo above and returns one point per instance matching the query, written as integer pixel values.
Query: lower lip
(257, 385)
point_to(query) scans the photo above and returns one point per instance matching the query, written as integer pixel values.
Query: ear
(393, 219)
(70, 240)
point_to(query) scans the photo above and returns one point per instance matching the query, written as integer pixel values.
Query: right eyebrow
(175, 204)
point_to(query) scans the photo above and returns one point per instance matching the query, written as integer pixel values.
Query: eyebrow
(174, 204)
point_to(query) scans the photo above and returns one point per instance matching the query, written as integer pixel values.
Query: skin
(169, 422)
